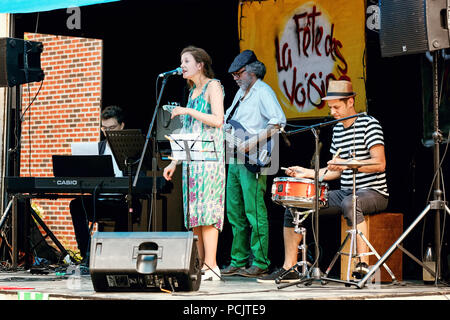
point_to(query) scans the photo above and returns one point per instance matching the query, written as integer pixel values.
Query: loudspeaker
(144, 261)
(408, 27)
(20, 62)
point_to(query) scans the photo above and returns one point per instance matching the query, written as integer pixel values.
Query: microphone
(177, 71)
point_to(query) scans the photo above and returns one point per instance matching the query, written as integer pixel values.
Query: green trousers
(247, 214)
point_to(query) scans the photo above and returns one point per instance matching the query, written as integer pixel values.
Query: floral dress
(204, 193)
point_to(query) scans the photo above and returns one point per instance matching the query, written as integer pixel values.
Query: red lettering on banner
(332, 46)
(320, 91)
(340, 57)
(281, 60)
(309, 34)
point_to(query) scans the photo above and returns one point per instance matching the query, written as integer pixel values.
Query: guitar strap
(233, 111)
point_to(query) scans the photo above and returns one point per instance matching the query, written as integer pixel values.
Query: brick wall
(67, 109)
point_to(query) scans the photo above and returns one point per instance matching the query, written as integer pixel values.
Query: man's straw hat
(339, 89)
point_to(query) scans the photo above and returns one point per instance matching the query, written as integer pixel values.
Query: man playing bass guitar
(255, 113)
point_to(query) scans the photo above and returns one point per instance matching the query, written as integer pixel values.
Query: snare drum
(298, 192)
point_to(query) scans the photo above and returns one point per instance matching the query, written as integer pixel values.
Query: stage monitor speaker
(409, 27)
(20, 62)
(144, 261)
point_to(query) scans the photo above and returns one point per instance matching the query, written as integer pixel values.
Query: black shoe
(361, 269)
(85, 262)
(230, 270)
(291, 276)
(253, 272)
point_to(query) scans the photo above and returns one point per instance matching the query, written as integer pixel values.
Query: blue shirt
(258, 109)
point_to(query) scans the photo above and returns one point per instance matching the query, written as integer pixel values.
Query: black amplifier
(144, 261)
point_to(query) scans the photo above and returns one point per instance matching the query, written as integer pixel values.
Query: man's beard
(244, 84)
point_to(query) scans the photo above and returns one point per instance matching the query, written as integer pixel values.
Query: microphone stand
(315, 129)
(154, 160)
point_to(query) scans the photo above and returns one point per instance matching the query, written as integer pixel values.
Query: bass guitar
(254, 159)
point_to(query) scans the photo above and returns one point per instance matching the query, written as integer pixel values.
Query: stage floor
(13, 285)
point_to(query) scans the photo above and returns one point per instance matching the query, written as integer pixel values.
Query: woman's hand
(178, 111)
(169, 171)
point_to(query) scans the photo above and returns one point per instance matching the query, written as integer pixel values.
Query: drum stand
(352, 234)
(314, 273)
(303, 247)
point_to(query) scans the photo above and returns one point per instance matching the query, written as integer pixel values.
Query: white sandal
(211, 275)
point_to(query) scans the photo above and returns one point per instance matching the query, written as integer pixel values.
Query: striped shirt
(362, 135)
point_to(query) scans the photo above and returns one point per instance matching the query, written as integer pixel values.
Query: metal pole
(437, 137)
(316, 269)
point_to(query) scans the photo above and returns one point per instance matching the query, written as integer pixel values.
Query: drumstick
(320, 180)
(326, 170)
(300, 171)
(284, 168)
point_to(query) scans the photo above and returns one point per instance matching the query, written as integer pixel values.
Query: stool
(383, 229)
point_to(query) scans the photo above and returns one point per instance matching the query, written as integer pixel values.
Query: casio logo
(66, 182)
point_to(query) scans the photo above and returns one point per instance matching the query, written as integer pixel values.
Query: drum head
(292, 179)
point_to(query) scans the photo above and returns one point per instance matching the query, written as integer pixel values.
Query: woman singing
(204, 184)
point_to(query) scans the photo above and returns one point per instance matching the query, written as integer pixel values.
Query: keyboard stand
(126, 146)
(28, 212)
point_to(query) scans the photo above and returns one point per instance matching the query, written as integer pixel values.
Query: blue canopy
(26, 6)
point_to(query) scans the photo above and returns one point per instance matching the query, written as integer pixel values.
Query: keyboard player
(107, 206)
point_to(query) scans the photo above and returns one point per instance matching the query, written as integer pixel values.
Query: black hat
(244, 58)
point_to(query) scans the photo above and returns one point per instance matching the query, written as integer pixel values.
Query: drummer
(361, 140)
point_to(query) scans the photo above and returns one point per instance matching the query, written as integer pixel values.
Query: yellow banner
(304, 44)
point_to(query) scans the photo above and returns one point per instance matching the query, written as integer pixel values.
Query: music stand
(126, 146)
(189, 147)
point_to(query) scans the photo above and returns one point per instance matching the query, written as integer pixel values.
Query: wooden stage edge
(13, 285)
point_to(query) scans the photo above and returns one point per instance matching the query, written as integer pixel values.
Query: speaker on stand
(411, 27)
(20, 62)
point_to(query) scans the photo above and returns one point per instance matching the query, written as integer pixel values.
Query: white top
(258, 109)
(117, 171)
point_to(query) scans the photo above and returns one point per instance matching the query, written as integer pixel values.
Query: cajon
(383, 229)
